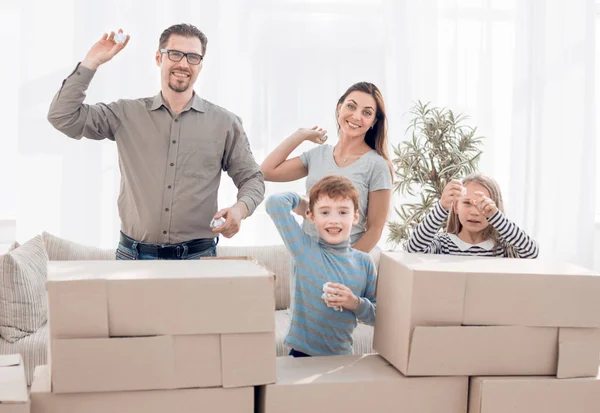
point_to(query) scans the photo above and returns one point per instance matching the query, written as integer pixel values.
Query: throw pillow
(23, 305)
(60, 249)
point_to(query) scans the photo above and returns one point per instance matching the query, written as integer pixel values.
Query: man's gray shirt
(170, 164)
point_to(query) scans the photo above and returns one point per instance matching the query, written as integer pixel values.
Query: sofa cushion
(275, 258)
(60, 249)
(23, 305)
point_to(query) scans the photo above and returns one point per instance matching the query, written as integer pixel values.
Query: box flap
(539, 394)
(475, 385)
(154, 269)
(393, 323)
(578, 359)
(470, 351)
(579, 334)
(10, 360)
(13, 386)
(198, 361)
(578, 352)
(41, 380)
(248, 359)
(78, 309)
(112, 364)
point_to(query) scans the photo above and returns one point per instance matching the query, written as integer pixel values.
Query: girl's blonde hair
(454, 226)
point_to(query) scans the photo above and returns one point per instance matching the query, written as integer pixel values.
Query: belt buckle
(164, 251)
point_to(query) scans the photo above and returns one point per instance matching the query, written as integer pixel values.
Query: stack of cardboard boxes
(454, 335)
(464, 334)
(156, 336)
(465, 316)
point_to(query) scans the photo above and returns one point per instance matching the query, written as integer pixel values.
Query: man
(172, 148)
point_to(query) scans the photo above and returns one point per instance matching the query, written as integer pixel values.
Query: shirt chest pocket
(200, 156)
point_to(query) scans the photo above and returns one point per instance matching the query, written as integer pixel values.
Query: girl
(476, 224)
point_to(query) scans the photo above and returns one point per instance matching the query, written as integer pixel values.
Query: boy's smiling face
(333, 218)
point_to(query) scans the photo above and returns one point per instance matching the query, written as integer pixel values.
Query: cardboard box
(499, 291)
(13, 386)
(357, 384)
(579, 352)
(144, 325)
(101, 299)
(418, 325)
(162, 362)
(240, 400)
(533, 395)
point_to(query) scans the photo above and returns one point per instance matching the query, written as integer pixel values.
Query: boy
(316, 327)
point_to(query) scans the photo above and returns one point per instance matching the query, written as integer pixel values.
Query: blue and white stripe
(425, 238)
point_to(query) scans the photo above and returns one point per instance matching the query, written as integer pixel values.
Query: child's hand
(484, 204)
(302, 207)
(343, 297)
(452, 191)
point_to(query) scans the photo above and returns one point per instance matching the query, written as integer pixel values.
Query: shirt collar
(196, 103)
(487, 245)
(342, 247)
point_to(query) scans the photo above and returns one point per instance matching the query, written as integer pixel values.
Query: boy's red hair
(335, 187)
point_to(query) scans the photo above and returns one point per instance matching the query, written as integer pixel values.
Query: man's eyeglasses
(176, 56)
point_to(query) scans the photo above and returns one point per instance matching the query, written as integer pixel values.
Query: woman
(360, 155)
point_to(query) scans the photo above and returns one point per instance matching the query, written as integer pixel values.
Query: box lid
(534, 394)
(161, 297)
(508, 291)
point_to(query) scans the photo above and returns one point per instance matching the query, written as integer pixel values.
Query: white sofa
(275, 258)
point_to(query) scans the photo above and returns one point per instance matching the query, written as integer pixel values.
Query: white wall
(597, 247)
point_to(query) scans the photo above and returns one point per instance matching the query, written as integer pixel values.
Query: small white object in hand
(120, 37)
(323, 138)
(326, 294)
(215, 223)
(463, 191)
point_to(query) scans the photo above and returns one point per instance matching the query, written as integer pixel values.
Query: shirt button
(167, 209)
(169, 187)
(172, 164)
(164, 232)
(78, 73)
(174, 141)
(176, 120)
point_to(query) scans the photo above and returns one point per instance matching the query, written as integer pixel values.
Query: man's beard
(177, 88)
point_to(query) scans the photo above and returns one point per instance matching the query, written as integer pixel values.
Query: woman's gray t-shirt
(370, 172)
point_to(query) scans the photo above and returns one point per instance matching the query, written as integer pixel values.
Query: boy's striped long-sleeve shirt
(316, 329)
(425, 238)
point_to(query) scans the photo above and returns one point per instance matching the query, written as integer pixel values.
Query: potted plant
(442, 147)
